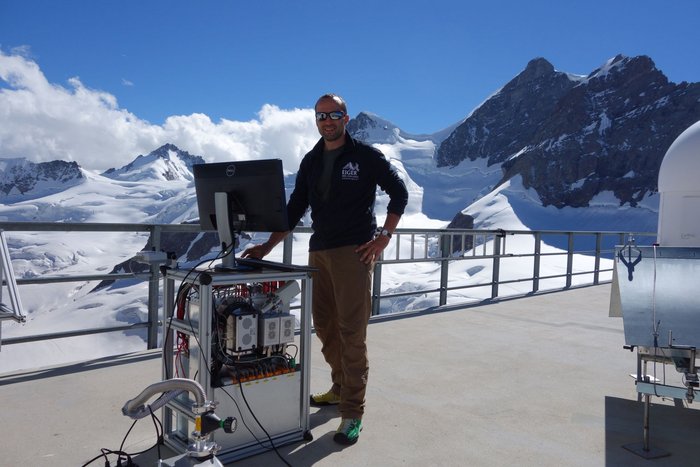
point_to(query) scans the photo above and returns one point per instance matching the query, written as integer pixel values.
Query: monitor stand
(229, 262)
(228, 235)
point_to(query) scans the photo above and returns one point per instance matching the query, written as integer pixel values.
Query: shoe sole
(321, 404)
(344, 440)
(340, 438)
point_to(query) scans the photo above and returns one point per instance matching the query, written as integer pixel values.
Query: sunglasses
(335, 115)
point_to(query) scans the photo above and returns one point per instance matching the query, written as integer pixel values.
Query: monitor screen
(251, 194)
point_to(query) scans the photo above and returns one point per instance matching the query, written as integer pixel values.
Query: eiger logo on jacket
(351, 171)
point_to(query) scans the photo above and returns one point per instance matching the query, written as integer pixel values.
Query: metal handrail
(441, 246)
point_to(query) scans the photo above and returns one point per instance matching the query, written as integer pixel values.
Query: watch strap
(383, 232)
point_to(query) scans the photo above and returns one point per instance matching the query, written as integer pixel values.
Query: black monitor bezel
(254, 188)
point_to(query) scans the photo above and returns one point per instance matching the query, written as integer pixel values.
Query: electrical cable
(240, 385)
(185, 285)
(240, 413)
(167, 335)
(104, 452)
(121, 446)
(159, 433)
(295, 353)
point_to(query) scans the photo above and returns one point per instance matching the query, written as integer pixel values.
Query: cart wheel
(308, 436)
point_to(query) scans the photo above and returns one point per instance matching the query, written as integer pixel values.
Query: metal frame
(270, 400)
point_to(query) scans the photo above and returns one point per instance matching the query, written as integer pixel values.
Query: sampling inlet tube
(170, 389)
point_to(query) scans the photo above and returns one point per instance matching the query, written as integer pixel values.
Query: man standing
(338, 179)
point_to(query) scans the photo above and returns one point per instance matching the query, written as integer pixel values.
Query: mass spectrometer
(235, 335)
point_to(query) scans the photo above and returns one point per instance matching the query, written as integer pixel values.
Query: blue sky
(100, 82)
(421, 65)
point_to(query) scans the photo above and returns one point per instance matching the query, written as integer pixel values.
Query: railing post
(398, 245)
(495, 276)
(287, 244)
(153, 290)
(596, 272)
(413, 246)
(536, 268)
(376, 287)
(444, 276)
(569, 258)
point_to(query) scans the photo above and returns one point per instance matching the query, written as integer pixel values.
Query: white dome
(680, 167)
(679, 187)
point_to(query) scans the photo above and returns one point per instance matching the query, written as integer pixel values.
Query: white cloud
(43, 121)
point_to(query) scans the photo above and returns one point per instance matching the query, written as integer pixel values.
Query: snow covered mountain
(573, 138)
(549, 150)
(562, 141)
(168, 162)
(552, 143)
(21, 179)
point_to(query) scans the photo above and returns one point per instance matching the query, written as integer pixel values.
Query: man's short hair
(339, 100)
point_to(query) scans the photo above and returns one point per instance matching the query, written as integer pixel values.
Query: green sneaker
(349, 431)
(325, 398)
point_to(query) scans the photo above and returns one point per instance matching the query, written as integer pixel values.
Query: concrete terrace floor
(535, 381)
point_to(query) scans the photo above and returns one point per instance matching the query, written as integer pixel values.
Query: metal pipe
(135, 408)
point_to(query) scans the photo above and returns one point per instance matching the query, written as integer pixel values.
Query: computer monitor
(240, 196)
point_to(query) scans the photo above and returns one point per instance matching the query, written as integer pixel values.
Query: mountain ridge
(168, 162)
(21, 179)
(569, 137)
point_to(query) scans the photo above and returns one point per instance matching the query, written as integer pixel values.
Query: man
(338, 179)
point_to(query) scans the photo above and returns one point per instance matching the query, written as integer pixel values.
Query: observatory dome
(679, 187)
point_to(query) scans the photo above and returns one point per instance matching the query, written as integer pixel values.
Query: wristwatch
(384, 232)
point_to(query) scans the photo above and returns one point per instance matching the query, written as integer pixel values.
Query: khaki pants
(341, 310)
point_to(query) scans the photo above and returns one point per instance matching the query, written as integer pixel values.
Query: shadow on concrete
(672, 429)
(79, 367)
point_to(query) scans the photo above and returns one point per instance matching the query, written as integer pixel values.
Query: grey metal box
(658, 289)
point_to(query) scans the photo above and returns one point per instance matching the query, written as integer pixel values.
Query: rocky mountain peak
(536, 68)
(527, 99)
(371, 128)
(21, 179)
(165, 150)
(571, 139)
(621, 69)
(168, 162)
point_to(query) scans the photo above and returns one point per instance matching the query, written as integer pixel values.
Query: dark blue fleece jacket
(347, 216)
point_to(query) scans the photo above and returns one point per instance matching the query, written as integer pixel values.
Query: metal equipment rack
(269, 410)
